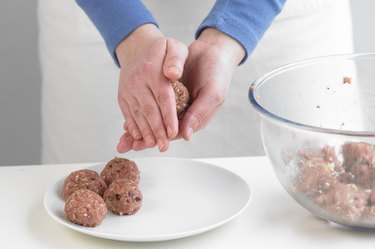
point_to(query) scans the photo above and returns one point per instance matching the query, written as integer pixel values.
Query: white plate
(182, 198)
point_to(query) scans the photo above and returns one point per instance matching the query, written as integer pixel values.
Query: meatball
(181, 96)
(123, 197)
(85, 207)
(83, 179)
(120, 168)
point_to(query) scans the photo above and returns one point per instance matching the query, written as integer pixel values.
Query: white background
(20, 75)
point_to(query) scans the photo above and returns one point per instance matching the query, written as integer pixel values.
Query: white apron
(81, 120)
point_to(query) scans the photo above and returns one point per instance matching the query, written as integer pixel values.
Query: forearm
(243, 20)
(116, 19)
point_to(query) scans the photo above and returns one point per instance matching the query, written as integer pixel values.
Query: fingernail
(135, 134)
(123, 147)
(189, 133)
(160, 145)
(169, 131)
(149, 141)
(174, 70)
(120, 148)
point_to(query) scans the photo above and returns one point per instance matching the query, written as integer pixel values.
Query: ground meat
(317, 165)
(371, 199)
(344, 199)
(358, 152)
(330, 156)
(83, 179)
(346, 189)
(326, 155)
(181, 96)
(86, 208)
(359, 161)
(346, 80)
(120, 168)
(369, 213)
(363, 175)
(314, 178)
(123, 197)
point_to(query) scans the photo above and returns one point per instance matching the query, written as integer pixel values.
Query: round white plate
(181, 198)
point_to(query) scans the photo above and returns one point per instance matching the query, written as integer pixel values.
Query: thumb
(174, 59)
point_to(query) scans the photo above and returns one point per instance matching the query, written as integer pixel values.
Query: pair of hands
(149, 61)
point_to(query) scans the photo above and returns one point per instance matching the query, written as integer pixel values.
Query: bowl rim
(288, 122)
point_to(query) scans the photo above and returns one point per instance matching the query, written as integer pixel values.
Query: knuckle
(173, 58)
(148, 110)
(198, 116)
(145, 131)
(147, 134)
(126, 116)
(184, 50)
(218, 98)
(131, 85)
(147, 67)
(121, 99)
(136, 112)
(165, 99)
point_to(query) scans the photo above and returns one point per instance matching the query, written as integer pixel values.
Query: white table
(273, 219)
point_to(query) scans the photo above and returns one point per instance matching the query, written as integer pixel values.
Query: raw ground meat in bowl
(318, 130)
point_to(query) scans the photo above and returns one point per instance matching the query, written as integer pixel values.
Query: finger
(126, 128)
(152, 114)
(126, 143)
(201, 111)
(175, 59)
(141, 121)
(166, 101)
(130, 125)
(139, 145)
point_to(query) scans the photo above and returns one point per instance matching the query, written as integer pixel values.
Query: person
(304, 29)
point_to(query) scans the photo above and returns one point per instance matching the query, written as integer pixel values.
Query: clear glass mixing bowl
(317, 120)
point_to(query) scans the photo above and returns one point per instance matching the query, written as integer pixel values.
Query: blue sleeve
(116, 19)
(244, 20)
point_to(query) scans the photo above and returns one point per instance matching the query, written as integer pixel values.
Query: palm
(207, 75)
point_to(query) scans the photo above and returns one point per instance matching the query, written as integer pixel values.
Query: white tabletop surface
(272, 220)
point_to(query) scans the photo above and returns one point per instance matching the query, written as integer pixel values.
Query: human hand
(145, 95)
(207, 74)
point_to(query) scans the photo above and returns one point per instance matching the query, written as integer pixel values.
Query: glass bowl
(317, 120)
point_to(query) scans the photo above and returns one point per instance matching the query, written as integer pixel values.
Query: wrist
(224, 42)
(140, 37)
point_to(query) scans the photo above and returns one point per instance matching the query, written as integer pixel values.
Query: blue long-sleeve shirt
(244, 20)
